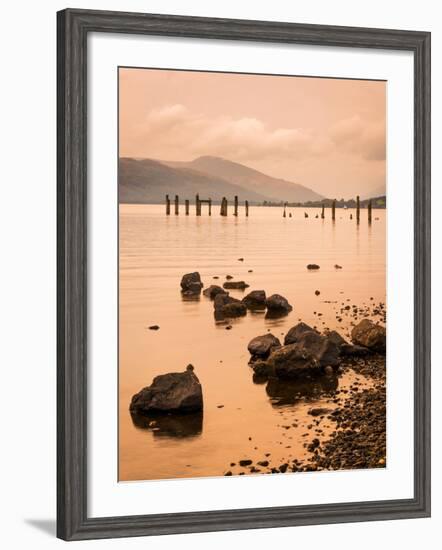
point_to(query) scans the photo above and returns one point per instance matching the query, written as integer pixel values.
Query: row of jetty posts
(198, 206)
(333, 211)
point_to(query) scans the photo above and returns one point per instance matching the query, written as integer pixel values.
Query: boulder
(176, 392)
(336, 338)
(292, 362)
(262, 369)
(369, 335)
(353, 350)
(255, 300)
(261, 346)
(240, 285)
(191, 282)
(313, 266)
(277, 305)
(295, 332)
(212, 291)
(320, 347)
(226, 306)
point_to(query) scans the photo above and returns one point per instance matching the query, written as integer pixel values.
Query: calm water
(155, 251)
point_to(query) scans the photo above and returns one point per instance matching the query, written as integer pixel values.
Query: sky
(326, 134)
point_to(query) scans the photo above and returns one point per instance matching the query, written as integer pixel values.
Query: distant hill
(274, 189)
(148, 181)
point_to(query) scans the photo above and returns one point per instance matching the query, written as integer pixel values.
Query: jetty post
(167, 205)
(187, 206)
(210, 207)
(358, 209)
(284, 214)
(198, 205)
(177, 205)
(223, 207)
(369, 207)
(334, 210)
(235, 210)
(322, 212)
(247, 208)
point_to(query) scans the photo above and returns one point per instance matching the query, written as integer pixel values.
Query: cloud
(175, 128)
(366, 139)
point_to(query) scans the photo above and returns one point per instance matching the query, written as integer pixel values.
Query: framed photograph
(243, 274)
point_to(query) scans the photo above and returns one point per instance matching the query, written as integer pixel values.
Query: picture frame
(73, 28)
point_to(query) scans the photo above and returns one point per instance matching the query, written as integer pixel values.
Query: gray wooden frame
(73, 28)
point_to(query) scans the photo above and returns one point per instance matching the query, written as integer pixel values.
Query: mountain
(274, 188)
(148, 181)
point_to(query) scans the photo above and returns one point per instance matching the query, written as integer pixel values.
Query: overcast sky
(326, 134)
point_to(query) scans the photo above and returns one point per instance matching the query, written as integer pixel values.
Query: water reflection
(177, 426)
(288, 392)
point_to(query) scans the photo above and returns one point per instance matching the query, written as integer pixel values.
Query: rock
(241, 285)
(369, 335)
(263, 463)
(228, 277)
(176, 392)
(255, 300)
(292, 362)
(191, 282)
(329, 370)
(319, 411)
(320, 347)
(317, 292)
(245, 462)
(313, 266)
(212, 291)
(240, 259)
(295, 332)
(350, 350)
(277, 305)
(262, 369)
(226, 306)
(336, 338)
(337, 266)
(154, 327)
(261, 346)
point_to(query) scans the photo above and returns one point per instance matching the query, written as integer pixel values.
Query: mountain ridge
(148, 181)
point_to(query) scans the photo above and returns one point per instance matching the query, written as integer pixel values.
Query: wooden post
(198, 205)
(247, 209)
(284, 213)
(221, 210)
(235, 210)
(334, 209)
(225, 207)
(167, 205)
(177, 203)
(358, 209)
(369, 211)
(187, 206)
(322, 213)
(210, 207)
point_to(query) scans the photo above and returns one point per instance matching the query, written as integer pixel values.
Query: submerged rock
(212, 291)
(313, 266)
(295, 333)
(292, 362)
(241, 285)
(175, 392)
(191, 282)
(255, 300)
(324, 350)
(226, 306)
(369, 335)
(261, 346)
(277, 305)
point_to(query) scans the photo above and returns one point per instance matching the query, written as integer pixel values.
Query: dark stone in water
(228, 307)
(295, 333)
(240, 285)
(212, 291)
(277, 306)
(313, 266)
(154, 327)
(176, 392)
(369, 335)
(245, 462)
(255, 300)
(191, 282)
(261, 346)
